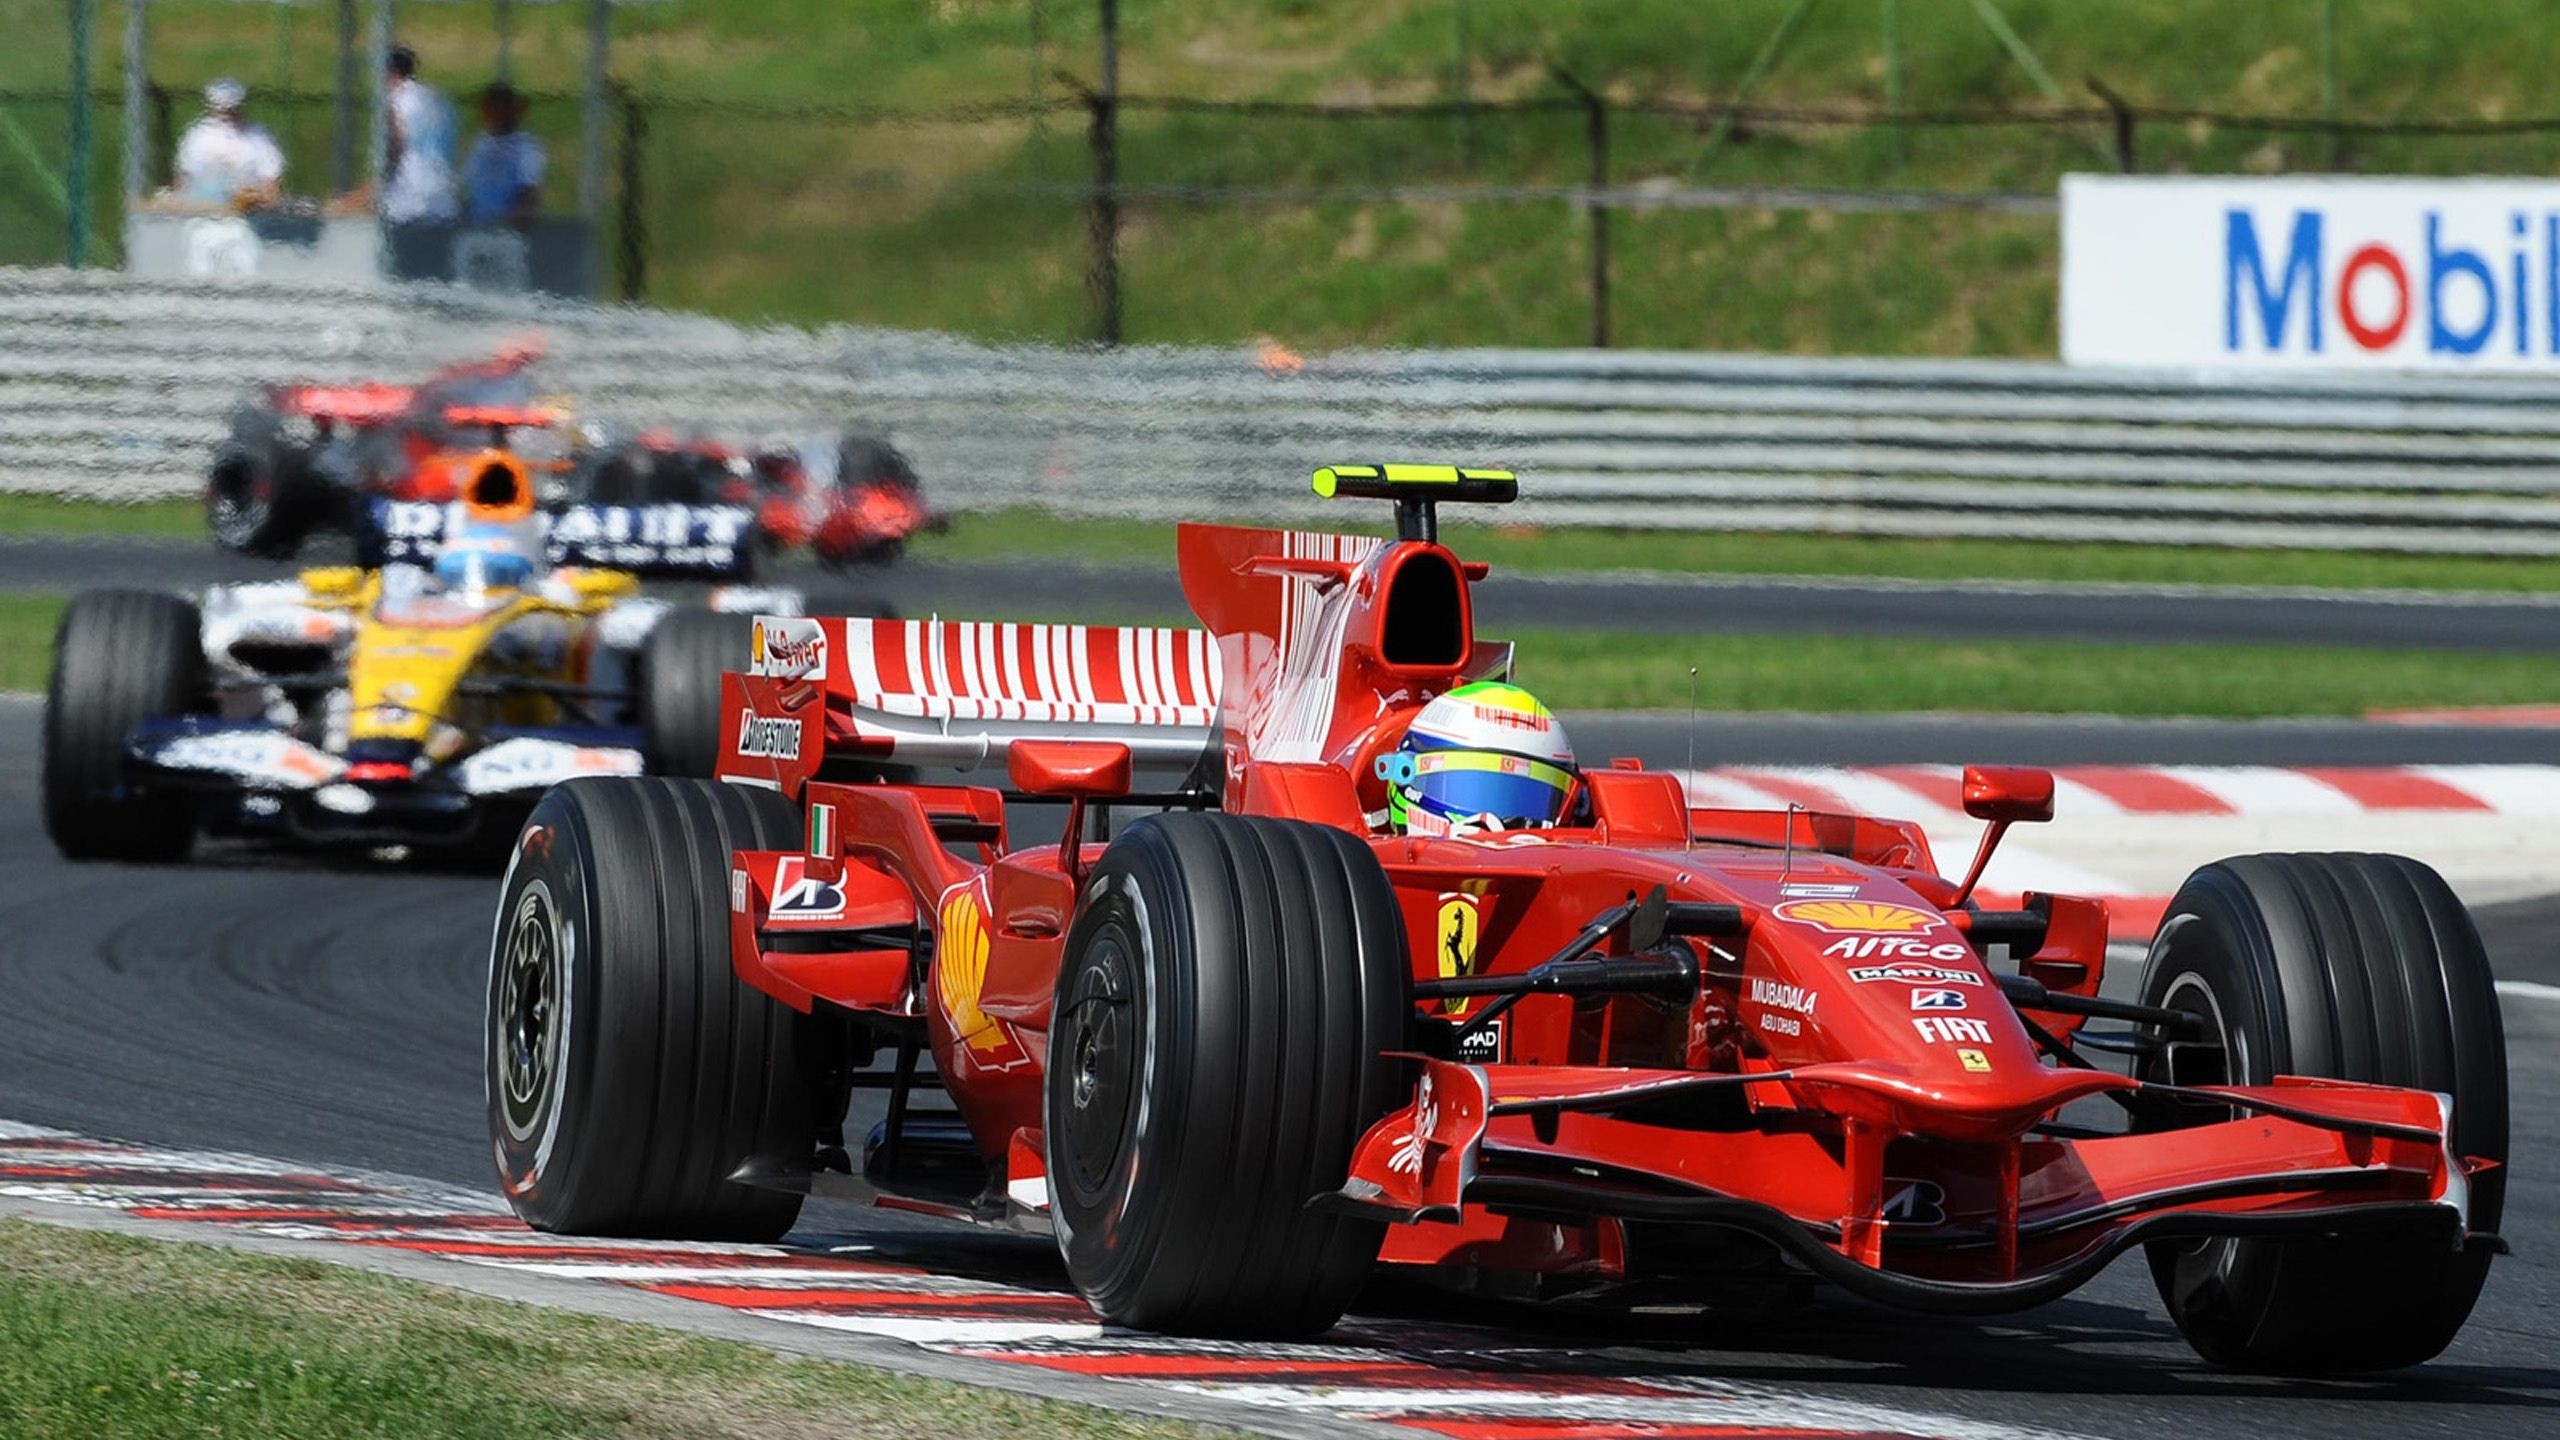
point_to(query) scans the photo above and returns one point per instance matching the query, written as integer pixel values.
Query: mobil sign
(2396, 274)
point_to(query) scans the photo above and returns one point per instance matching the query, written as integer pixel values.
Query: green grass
(812, 219)
(107, 1335)
(1824, 673)
(26, 639)
(1027, 533)
(1569, 550)
(46, 515)
(1606, 670)
(1609, 670)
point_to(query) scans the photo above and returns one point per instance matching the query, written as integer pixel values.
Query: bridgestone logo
(767, 739)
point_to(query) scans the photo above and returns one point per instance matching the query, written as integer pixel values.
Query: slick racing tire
(258, 497)
(680, 670)
(2347, 967)
(119, 658)
(629, 1072)
(1226, 1003)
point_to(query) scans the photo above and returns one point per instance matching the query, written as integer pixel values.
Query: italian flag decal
(822, 831)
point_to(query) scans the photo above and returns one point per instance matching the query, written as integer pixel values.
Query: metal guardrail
(113, 387)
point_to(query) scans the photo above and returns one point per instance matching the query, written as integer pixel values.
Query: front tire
(1227, 1000)
(630, 1073)
(2348, 967)
(119, 657)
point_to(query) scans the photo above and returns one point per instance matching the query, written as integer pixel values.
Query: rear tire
(680, 669)
(2348, 967)
(259, 498)
(630, 1072)
(1229, 995)
(120, 657)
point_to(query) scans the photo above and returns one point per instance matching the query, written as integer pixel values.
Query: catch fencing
(116, 388)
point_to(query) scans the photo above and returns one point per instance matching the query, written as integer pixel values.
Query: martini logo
(789, 647)
(960, 977)
(764, 738)
(1858, 917)
(1909, 974)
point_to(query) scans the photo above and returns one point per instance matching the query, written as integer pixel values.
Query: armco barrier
(115, 387)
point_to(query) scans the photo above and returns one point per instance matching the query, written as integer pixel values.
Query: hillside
(766, 193)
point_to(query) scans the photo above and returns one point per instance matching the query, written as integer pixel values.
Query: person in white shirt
(224, 160)
(502, 181)
(420, 188)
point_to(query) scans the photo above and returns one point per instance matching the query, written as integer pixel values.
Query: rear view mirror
(2009, 794)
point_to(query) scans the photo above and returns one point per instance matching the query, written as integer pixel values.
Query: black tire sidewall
(119, 657)
(553, 861)
(1107, 1231)
(2352, 967)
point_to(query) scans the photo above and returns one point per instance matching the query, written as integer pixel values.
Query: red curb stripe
(185, 1180)
(2144, 791)
(1942, 790)
(243, 1215)
(754, 1297)
(621, 1255)
(2377, 788)
(2135, 917)
(1407, 1374)
(1792, 790)
(1521, 1428)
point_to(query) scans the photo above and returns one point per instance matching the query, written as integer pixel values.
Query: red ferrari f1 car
(1298, 1018)
(309, 459)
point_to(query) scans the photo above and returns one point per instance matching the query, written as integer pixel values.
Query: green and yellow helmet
(1485, 756)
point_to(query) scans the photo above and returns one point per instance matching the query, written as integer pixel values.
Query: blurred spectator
(419, 190)
(223, 159)
(502, 180)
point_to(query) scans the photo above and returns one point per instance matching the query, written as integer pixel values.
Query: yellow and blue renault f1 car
(429, 701)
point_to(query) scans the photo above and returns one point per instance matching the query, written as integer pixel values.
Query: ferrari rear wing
(960, 694)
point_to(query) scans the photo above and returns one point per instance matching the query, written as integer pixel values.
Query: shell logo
(1858, 917)
(755, 655)
(960, 975)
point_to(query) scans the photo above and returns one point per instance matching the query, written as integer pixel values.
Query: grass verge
(111, 1335)
(26, 639)
(1615, 670)
(1587, 671)
(45, 515)
(1022, 532)
(1026, 533)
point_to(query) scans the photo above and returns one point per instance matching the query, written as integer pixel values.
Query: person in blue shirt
(502, 180)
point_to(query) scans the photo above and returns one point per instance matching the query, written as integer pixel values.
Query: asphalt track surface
(1659, 604)
(328, 1012)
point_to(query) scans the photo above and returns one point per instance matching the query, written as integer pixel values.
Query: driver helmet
(480, 555)
(1485, 756)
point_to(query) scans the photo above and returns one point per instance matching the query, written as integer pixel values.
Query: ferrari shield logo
(1461, 921)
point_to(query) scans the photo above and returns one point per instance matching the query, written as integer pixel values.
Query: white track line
(2529, 990)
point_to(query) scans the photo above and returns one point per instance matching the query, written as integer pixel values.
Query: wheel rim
(2200, 1062)
(1097, 1063)
(528, 1010)
(241, 500)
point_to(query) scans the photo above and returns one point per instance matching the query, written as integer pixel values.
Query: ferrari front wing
(1836, 1165)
